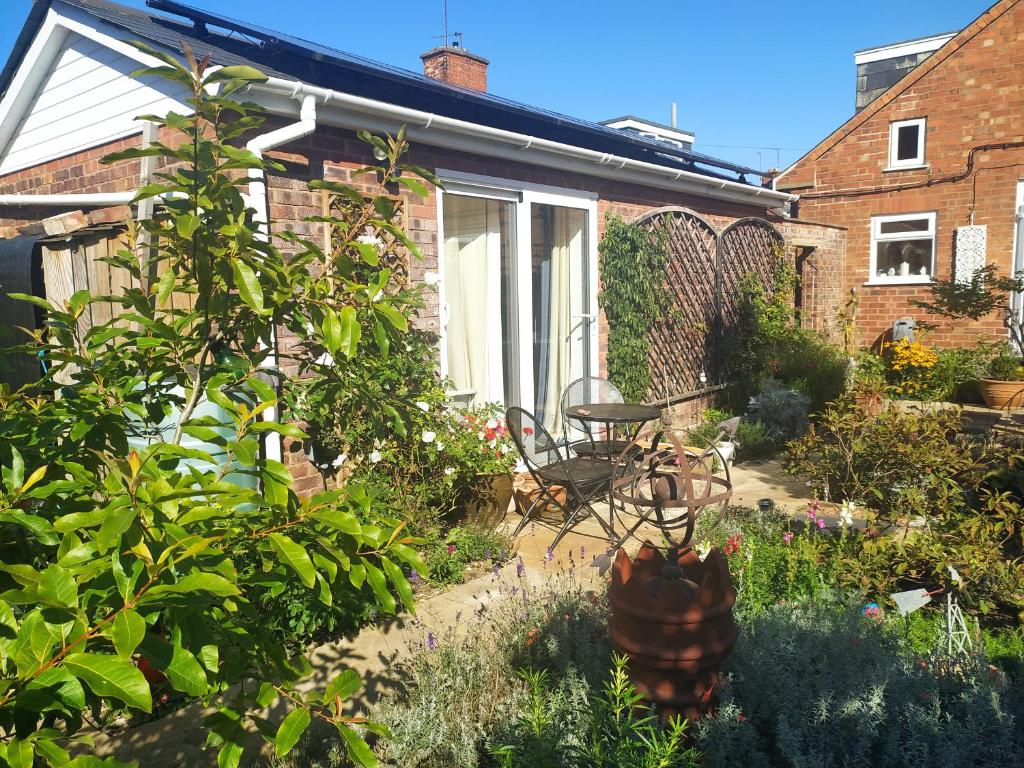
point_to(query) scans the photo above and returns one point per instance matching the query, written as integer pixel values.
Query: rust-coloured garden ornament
(671, 610)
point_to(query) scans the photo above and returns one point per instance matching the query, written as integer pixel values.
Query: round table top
(613, 412)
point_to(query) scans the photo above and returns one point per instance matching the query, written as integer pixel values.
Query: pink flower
(787, 537)
(810, 514)
(821, 523)
(451, 549)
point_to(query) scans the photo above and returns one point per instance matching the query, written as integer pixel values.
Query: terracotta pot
(674, 621)
(999, 393)
(486, 500)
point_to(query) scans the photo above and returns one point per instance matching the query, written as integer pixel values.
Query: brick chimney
(454, 64)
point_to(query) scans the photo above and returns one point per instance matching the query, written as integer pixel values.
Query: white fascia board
(357, 113)
(908, 48)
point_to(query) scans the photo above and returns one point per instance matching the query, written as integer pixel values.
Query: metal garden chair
(583, 478)
(585, 391)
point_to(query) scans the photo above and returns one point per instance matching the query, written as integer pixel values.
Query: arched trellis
(746, 246)
(682, 342)
(704, 272)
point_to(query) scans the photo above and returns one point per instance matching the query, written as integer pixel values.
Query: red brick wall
(456, 66)
(971, 94)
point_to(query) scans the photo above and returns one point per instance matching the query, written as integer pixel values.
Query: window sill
(915, 280)
(898, 168)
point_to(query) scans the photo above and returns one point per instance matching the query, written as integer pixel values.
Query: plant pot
(674, 621)
(486, 500)
(1001, 393)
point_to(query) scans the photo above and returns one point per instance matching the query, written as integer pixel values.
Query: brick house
(510, 244)
(928, 175)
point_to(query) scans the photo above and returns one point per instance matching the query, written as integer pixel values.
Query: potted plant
(986, 292)
(480, 445)
(1004, 385)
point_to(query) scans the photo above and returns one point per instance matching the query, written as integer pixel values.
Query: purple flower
(583, 552)
(431, 642)
(787, 537)
(520, 568)
(487, 554)
(549, 555)
(821, 523)
(495, 569)
(414, 578)
(502, 554)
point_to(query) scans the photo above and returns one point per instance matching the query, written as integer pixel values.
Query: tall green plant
(118, 540)
(633, 260)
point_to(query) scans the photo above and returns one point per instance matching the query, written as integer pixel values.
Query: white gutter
(71, 200)
(369, 114)
(258, 201)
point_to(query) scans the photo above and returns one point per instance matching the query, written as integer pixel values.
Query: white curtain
(472, 243)
(557, 298)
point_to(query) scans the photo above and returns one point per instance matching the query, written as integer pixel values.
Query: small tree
(118, 540)
(986, 292)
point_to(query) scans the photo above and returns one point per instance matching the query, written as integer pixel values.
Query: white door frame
(524, 195)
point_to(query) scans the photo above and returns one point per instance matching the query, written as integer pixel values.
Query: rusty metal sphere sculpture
(668, 484)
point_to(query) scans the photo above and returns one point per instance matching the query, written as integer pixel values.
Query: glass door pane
(479, 289)
(561, 306)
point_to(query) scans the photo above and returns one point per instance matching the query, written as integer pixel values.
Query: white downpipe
(419, 121)
(71, 200)
(258, 200)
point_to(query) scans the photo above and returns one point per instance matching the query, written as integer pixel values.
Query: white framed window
(906, 143)
(902, 248)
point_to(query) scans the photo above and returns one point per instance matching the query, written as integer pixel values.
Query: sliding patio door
(517, 294)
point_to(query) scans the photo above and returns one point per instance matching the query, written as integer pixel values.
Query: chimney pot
(454, 64)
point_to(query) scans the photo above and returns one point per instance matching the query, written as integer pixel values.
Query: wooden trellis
(704, 272)
(395, 256)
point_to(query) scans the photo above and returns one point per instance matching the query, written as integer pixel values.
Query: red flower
(732, 546)
(527, 430)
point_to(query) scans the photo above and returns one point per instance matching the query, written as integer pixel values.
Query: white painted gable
(87, 98)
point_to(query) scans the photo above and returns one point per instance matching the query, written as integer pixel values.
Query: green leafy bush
(752, 440)
(934, 498)
(623, 732)
(781, 412)
(770, 343)
(448, 556)
(122, 545)
(633, 261)
(826, 686)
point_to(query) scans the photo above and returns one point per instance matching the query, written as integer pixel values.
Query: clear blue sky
(744, 73)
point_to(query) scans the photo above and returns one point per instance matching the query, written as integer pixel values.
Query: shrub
(780, 411)
(120, 545)
(934, 498)
(752, 440)
(447, 556)
(825, 686)
(623, 733)
(634, 297)
(769, 343)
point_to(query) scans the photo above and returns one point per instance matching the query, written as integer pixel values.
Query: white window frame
(877, 237)
(523, 195)
(894, 141)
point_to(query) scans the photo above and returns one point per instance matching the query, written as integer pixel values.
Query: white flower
(702, 550)
(373, 240)
(375, 457)
(428, 436)
(377, 296)
(339, 461)
(492, 423)
(480, 435)
(846, 511)
(449, 470)
(440, 446)
(425, 407)
(493, 443)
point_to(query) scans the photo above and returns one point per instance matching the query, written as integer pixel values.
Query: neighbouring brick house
(922, 161)
(510, 244)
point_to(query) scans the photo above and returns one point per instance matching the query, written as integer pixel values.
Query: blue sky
(748, 76)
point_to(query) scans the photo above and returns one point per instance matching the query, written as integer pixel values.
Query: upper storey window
(906, 143)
